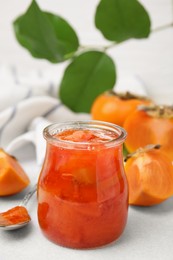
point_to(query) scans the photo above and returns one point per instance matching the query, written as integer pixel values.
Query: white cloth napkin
(28, 102)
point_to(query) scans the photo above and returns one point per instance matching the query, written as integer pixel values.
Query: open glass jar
(82, 188)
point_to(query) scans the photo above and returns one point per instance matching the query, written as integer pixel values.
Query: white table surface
(149, 231)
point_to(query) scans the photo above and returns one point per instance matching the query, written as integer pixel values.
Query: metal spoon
(10, 226)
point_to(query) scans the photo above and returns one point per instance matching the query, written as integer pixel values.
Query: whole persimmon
(150, 176)
(115, 107)
(13, 179)
(150, 124)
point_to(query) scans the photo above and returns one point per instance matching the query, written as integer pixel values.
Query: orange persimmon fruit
(13, 179)
(115, 107)
(151, 124)
(150, 177)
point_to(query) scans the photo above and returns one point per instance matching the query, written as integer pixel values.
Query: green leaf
(45, 35)
(120, 20)
(87, 76)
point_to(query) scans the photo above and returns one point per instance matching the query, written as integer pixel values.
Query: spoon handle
(28, 195)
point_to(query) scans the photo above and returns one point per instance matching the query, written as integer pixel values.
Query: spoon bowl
(15, 226)
(18, 216)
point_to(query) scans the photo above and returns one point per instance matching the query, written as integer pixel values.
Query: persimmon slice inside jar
(82, 189)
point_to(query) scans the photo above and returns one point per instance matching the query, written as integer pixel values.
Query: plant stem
(101, 47)
(98, 47)
(163, 27)
(113, 44)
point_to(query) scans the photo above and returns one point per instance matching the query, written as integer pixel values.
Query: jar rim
(51, 130)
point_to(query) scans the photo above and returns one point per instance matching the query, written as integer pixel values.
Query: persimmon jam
(82, 189)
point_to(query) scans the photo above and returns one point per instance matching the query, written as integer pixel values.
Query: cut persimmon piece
(150, 177)
(13, 179)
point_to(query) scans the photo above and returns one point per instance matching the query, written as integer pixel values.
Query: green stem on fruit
(141, 150)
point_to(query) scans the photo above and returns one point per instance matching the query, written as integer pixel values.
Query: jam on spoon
(18, 216)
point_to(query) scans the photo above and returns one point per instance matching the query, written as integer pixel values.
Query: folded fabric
(34, 104)
(16, 120)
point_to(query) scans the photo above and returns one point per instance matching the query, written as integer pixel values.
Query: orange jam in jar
(82, 188)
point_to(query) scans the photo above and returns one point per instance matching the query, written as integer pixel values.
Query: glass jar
(82, 188)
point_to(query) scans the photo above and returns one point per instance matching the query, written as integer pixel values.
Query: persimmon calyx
(161, 111)
(126, 95)
(142, 150)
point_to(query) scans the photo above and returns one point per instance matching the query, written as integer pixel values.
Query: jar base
(84, 246)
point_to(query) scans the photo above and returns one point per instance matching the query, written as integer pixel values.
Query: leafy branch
(91, 70)
(114, 44)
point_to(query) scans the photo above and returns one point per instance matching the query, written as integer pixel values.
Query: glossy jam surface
(82, 193)
(90, 136)
(16, 215)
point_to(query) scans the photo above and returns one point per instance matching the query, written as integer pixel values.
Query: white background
(149, 231)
